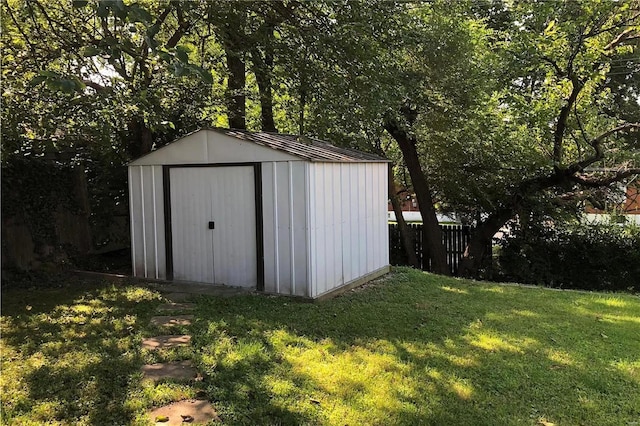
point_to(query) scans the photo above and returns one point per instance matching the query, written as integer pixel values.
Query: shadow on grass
(412, 349)
(420, 349)
(69, 355)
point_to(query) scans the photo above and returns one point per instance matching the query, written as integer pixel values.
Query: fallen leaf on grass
(604, 336)
(546, 423)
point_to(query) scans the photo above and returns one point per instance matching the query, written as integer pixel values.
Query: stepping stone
(168, 321)
(161, 342)
(176, 307)
(182, 370)
(198, 411)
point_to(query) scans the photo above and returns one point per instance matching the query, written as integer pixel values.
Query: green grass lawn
(412, 348)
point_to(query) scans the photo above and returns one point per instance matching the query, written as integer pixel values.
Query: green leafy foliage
(589, 257)
(484, 82)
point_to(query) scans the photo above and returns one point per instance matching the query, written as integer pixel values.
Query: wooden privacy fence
(454, 238)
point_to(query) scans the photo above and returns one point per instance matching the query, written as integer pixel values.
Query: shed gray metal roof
(308, 148)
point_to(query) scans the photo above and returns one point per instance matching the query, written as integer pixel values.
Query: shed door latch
(212, 225)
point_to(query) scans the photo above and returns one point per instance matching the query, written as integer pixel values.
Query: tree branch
(621, 38)
(582, 131)
(596, 144)
(561, 126)
(64, 40)
(596, 183)
(183, 26)
(32, 47)
(555, 65)
(96, 86)
(144, 47)
(51, 21)
(620, 24)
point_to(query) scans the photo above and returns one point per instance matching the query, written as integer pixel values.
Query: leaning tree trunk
(435, 250)
(476, 251)
(408, 242)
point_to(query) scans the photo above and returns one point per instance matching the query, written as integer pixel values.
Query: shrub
(579, 256)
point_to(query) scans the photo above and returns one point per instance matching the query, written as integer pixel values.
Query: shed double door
(213, 225)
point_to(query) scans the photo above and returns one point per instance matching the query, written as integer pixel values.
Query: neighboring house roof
(301, 146)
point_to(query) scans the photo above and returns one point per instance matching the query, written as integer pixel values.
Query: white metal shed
(274, 212)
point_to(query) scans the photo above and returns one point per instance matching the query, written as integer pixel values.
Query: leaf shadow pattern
(71, 355)
(412, 351)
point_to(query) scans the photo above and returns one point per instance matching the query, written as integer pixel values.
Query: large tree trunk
(235, 88)
(435, 250)
(262, 68)
(405, 235)
(140, 137)
(476, 251)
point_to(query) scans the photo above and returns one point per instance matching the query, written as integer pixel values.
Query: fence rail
(454, 238)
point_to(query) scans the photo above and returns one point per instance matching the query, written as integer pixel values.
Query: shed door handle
(212, 225)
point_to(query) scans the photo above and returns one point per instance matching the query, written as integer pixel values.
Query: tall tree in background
(492, 107)
(562, 54)
(97, 49)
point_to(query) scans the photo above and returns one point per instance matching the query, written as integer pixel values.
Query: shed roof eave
(316, 151)
(319, 160)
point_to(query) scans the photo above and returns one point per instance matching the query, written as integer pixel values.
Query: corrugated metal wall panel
(370, 209)
(328, 227)
(300, 227)
(283, 227)
(348, 223)
(159, 243)
(325, 236)
(147, 221)
(343, 237)
(361, 218)
(383, 227)
(312, 252)
(148, 224)
(136, 221)
(270, 234)
(285, 247)
(337, 276)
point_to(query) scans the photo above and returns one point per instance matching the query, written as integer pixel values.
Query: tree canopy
(489, 108)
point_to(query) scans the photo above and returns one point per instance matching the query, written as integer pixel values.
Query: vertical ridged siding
(147, 221)
(285, 230)
(348, 222)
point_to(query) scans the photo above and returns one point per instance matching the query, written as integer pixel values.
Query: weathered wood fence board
(454, 238)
